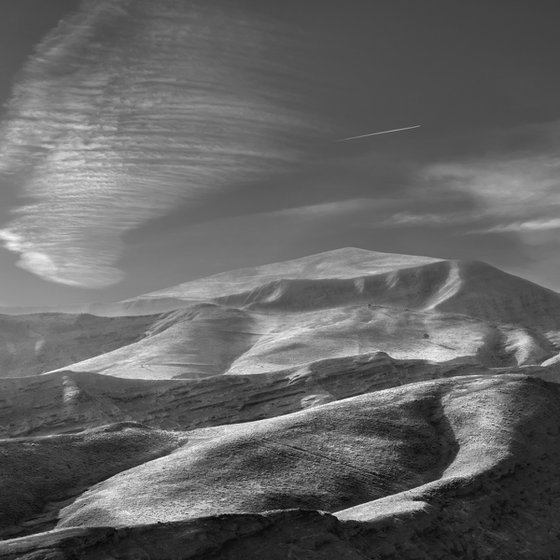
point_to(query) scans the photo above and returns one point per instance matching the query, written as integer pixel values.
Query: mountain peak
(345, 262)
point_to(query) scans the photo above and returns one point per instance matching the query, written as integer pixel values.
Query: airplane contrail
(377, 133)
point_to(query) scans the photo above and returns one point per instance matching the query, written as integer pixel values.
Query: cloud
(401, 219)
(130, 109)
(516, 192)
(327, 210)
(73, 268)
(506, 186)
(530, 225)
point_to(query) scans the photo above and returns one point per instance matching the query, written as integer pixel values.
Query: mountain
(333, 305)
(339, 264)
(351, 404)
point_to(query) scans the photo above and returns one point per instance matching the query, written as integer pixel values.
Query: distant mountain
(346, 275)
(274, 317)
(346, 263)
(336, 304)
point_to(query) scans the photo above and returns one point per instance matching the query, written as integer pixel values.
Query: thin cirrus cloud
(130, 109)
(429, 219)
(517, 192)
(543, 224)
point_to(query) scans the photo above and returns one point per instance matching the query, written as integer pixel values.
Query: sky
(144, 144)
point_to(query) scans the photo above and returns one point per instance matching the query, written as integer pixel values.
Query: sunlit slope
(274, 535)
(436, 310)
(461, 456)
(199, 341)
(212, 340)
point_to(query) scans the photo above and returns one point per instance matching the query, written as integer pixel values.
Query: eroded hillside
(347, 405)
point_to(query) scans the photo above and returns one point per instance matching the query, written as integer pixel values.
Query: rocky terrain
(349, 405)
(272, 318)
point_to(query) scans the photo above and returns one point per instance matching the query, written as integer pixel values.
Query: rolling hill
(350, 405)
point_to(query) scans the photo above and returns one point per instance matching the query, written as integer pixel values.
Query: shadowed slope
(475, 289)
(486, 292)
(38, 474)
(63, 402)
(275, 535)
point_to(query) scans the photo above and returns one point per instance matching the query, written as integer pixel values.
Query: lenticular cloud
(128, 109)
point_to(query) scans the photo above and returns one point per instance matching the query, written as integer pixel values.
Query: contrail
(377, 133)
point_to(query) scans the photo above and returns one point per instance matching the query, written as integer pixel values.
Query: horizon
(135, 156)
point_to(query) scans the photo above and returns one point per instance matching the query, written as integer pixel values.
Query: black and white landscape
(279, 279)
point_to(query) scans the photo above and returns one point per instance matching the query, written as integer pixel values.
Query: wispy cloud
(505, 185)
(340, 208)
(129, 109)
(517, 192)
(529, 225)
(400, 219)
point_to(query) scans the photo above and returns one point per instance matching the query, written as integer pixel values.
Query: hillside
(276, 317)
(347, 405)
(437, 469)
